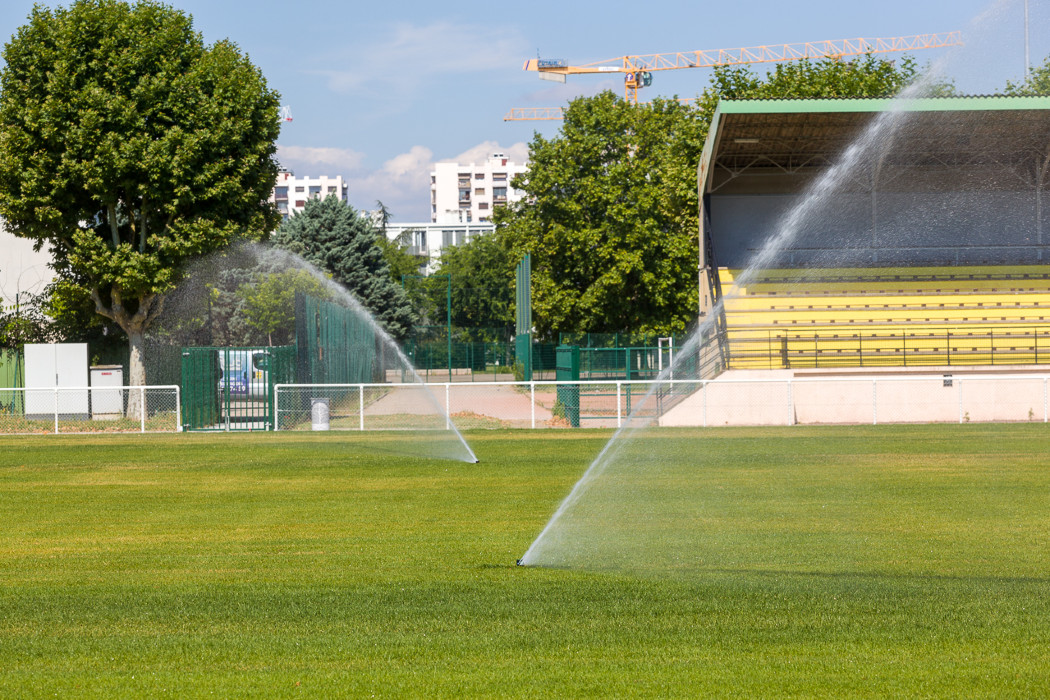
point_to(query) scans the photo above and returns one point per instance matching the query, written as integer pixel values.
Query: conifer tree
(336, 238)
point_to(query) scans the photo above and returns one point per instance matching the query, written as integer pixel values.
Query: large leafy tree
(611, 206)
(610, 217)
(128, 147)
(336, 238)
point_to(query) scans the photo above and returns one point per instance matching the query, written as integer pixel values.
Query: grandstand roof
(794, 137)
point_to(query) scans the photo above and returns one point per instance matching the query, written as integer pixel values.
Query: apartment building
(468, 194)
(291, 193)
(22, 269)
(427, 240)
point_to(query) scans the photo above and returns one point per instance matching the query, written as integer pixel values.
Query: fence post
(361, 407)
(276, 407)
(178, 409)
(56, 410)
(532, 402)
(619, 414)
(142, 409)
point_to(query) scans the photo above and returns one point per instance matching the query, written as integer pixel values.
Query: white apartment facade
(468, 194)
(22, 269)
(291, 193)
(427, 240)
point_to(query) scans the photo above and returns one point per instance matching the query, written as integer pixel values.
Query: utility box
(53, 373)
(107, 403)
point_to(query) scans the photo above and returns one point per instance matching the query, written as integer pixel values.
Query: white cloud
(305, 160)
(403, 182)
(407, 55)
(518, 153)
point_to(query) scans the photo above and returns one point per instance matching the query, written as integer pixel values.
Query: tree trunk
(135, 325)
(136, 372)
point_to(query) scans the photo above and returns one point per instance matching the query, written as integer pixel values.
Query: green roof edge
(883, 104)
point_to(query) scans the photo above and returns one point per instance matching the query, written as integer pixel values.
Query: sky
(381, 91)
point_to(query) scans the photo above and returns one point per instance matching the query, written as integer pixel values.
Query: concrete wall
(783, 397)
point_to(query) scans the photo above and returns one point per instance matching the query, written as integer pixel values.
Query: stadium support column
(704, 281)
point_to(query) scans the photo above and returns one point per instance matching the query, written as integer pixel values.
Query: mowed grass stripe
(281, 565)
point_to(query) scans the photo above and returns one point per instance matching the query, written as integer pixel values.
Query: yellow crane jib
(638, 69)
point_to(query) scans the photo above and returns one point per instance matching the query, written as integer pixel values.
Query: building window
(300, 203)
(499, 194)
(280, 193)
(315, 190)
(461, 237)
(282, 206)
(499, 177)
(331, 189)
(479, 176)
(479, 191)
(446, 239)
(483, 205)
(464, 196)
(300, 188)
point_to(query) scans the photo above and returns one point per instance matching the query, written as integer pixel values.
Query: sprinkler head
(520, 562)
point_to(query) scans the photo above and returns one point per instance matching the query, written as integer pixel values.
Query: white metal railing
(90, 409)
(909, 398)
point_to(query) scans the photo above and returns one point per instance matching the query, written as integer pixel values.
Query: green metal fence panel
(523, 355)
(567, 368)
(233, 388)
(200, 388)
(12, 376)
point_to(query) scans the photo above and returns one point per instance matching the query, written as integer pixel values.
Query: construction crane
(638, 70)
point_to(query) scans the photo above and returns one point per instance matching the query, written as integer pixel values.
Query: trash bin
(320, 411)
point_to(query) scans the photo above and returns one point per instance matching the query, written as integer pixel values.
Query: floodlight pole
(1027, 60)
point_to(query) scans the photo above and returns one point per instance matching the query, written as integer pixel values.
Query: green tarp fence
(336, 345)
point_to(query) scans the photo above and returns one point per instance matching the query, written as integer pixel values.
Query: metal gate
(232, 388)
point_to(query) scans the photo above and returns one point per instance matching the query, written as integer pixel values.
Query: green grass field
(283, 565)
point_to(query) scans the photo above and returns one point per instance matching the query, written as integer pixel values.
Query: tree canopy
(611, 205)
(336, 238)
(128, 147)
(1037, 83)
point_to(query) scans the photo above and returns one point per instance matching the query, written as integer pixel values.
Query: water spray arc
(195, 301)
(564, 541)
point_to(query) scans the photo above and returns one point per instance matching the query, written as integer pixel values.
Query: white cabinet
(56, 365)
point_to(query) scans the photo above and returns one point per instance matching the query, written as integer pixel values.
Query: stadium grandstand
(929, 250)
